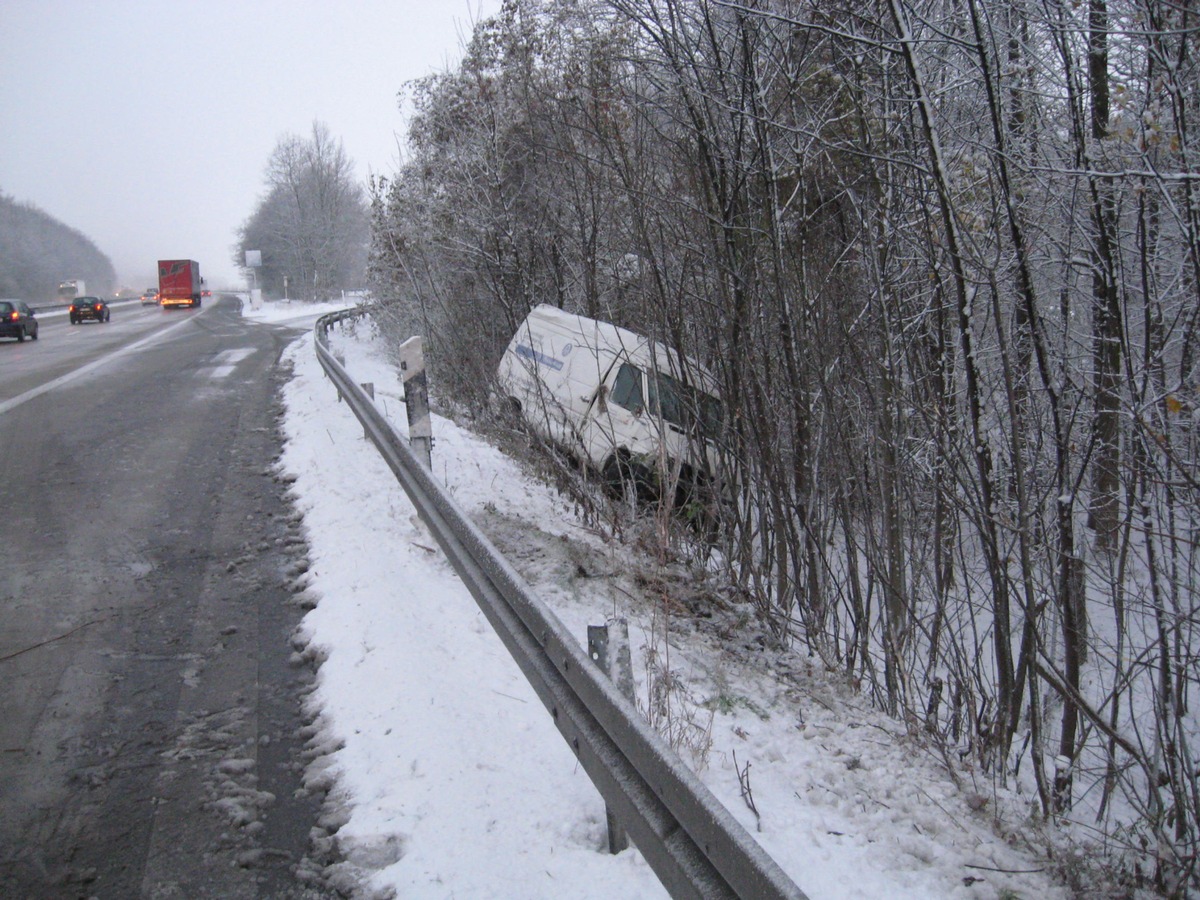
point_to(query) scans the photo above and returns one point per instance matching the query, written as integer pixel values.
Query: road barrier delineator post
(416, 399)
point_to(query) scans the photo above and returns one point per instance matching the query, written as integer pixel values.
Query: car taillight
(15, 316)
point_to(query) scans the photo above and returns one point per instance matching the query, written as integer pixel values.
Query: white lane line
(16, 401)
(227, 360)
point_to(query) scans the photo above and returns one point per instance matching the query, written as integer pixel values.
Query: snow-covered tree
(37, 253)
(311, 225)
(945, 259)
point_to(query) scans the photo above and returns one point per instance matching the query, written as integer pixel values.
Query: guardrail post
(416, 399)
(611, 652)
(341, 361)
(369, 387)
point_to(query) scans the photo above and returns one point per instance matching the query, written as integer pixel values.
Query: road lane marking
(227, 360)
(16, 401)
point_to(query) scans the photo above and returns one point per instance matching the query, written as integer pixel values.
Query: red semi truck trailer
(179, 283)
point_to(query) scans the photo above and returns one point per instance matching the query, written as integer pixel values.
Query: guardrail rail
(693, 843)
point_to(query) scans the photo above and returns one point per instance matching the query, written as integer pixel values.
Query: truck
(69, 290)
(628, 407)
(179, 283)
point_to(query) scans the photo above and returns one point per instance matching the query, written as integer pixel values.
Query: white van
(624, 404)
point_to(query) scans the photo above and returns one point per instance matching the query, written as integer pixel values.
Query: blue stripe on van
(540, 358)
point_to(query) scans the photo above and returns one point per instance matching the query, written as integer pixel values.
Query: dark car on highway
(17, 320)
(89, 308)
(150, 297)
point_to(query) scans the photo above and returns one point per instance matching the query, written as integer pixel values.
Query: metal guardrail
(695, 846)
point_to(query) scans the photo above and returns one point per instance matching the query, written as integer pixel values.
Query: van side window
(627, 388)
(685, 407)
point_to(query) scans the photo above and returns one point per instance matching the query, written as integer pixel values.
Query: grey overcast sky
(148, 125)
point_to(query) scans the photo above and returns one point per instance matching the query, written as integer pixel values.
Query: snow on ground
(445, 773)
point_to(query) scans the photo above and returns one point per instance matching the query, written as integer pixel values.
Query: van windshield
(685, 407)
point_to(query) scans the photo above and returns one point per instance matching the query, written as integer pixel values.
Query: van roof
(640, 349)
(593, 331)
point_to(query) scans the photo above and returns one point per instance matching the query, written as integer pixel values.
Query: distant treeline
(38, 252)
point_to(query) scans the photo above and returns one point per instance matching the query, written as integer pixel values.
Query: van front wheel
(623, 477)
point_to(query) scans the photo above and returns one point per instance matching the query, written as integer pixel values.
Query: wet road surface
(150, 717)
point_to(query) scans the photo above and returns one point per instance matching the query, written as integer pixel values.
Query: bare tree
(945, 258)
(311, 225)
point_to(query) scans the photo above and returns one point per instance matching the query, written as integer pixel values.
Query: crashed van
(628, 407)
